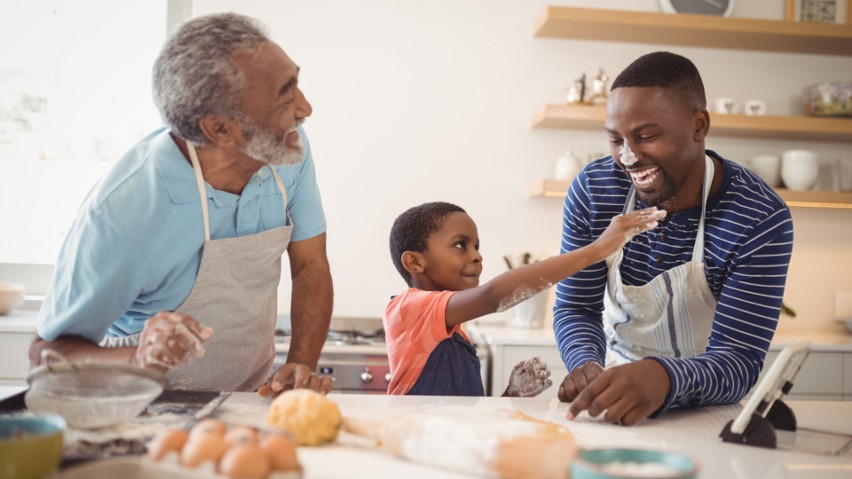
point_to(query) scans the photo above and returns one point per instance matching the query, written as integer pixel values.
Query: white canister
(530, 313)
(799, 169)
(567, 166)
(768, 168)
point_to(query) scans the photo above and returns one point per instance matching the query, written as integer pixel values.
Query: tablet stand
(760, 430)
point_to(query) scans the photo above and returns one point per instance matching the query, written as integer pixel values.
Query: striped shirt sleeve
(748, 243)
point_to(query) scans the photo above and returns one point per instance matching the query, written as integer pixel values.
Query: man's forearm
(310, 315)
(78, 349)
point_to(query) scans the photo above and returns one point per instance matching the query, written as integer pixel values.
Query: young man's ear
(701, 124)
(413, 262)
(220, 130)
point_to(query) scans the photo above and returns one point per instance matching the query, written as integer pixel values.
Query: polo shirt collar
(179, 178)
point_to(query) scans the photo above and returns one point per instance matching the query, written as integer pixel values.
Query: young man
(684, 314)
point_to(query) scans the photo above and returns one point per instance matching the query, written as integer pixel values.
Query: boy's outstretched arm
(519, 284)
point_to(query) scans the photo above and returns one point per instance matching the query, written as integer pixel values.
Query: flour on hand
(529, 378)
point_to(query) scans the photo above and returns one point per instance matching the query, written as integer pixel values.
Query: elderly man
(175, 258)
(684, 314)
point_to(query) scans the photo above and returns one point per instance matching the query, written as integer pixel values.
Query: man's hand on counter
(626, 394)
(577, 380)
(294, 376)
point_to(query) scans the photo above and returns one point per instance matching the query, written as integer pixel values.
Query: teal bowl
(632, 463)
(30, 445)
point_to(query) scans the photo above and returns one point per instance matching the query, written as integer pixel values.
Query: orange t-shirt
(415, 322)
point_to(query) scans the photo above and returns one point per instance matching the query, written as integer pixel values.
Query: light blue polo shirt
(135, 247)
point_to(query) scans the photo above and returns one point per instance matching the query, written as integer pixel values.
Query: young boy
(435, 247)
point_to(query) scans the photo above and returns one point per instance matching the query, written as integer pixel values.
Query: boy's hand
(624, 227)
(529, 378)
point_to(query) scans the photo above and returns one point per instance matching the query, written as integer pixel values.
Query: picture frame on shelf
(818, 11)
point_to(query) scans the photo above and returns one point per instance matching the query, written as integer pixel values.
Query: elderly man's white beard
(267, 146)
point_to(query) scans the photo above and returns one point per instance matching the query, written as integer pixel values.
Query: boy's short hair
(671, 72)
(411, 230)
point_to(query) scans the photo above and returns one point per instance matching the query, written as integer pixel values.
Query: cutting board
(503, 443)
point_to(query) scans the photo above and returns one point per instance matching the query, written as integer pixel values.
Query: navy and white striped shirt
(748, 241)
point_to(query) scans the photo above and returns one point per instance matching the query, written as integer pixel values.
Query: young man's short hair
(671, 72)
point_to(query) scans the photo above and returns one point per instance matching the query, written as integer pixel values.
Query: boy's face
(452, 260)
(667, 138)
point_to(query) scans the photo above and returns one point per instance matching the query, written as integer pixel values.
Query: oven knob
(366, 376)
(387, 377)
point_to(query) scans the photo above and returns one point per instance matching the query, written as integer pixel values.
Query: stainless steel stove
(354, 355)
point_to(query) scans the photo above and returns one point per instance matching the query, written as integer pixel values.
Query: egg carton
(144, 468)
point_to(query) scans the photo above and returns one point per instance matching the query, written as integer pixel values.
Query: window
(75, 94)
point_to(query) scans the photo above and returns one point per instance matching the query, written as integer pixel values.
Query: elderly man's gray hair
(194, 75)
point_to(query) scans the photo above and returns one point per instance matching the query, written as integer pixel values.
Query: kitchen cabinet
(711, 32)
(825, 376)
(16, 332)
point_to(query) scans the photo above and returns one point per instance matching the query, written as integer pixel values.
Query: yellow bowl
(30, 445)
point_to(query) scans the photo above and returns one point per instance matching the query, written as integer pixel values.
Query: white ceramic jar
(768, 168)
(799, 169)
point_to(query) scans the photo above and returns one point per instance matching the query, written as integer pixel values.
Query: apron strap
(283, 194)
(202, 191)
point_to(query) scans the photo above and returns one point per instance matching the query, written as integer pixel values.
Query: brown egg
(166, 442)
(201, 448)
(281, 451)
(245, 461)
(208, 426)
(238, 435)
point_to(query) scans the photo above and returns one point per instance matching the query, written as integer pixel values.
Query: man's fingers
(586, 396)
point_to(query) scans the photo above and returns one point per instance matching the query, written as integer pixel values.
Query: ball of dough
(311, 417)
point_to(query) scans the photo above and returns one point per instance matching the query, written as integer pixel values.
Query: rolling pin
(508, 444)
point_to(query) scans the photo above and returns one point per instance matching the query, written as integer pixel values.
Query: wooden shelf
(694, 30)
(587, 117)
(802, 199)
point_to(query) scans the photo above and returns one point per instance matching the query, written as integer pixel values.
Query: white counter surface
(499, 334)
(19, 321)
(693, 432)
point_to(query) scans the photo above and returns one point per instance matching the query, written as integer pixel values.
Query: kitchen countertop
(693, 432)
(19, 321)
(498, 334)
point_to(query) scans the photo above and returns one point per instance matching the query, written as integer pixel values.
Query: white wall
(420, 101)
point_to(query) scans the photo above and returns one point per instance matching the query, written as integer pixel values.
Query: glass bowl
(828, 99)
(92, 395)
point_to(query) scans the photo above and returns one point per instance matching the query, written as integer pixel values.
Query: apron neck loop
(202, 191)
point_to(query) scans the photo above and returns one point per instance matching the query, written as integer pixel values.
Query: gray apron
(671, 315)
(236, 294)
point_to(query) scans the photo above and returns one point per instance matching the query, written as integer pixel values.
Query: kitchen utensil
(505, 444)
(206, 410)
(91, 395)
(799, 169)
(828, 99)
(632, 463)
(11, 297)
(30, 445)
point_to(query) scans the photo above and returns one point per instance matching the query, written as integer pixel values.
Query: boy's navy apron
(451, 370)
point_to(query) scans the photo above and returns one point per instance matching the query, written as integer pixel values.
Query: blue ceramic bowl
(30, 445)
(632, 463)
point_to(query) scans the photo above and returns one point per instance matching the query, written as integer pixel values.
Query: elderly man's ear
(413, 262)
(220, 130)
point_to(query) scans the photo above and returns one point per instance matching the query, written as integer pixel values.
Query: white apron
(236, 294)
(671, 315)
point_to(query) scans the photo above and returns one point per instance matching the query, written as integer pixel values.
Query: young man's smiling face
(452, 260)
(667, 138)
